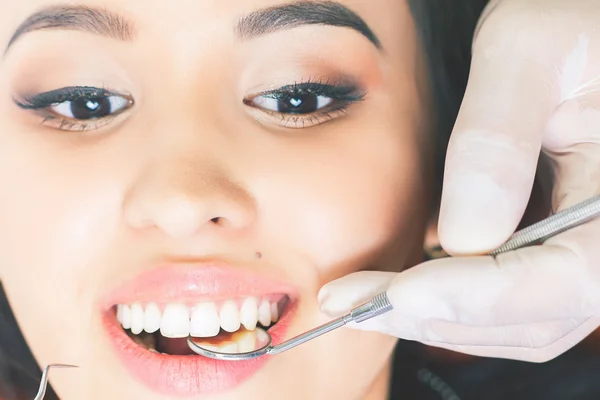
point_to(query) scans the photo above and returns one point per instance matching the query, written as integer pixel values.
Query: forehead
(380, 21)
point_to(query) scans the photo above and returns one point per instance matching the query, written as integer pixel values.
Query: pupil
(298, 104)
(90, 108)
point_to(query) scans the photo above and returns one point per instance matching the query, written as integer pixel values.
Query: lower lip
(186, 376)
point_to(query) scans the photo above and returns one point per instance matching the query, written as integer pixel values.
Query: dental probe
(44, 383)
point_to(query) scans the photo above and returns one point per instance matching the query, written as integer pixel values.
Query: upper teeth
(205, 319)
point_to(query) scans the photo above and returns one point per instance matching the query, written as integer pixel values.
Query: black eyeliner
(341, 92)
(57, 96)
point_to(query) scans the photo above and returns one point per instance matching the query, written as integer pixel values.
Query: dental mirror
(247, 345)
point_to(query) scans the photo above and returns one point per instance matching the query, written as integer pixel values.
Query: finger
(572, 141)
(530, 285)
(529, 304)
(494, 148)
(540, 342)
(340, 296)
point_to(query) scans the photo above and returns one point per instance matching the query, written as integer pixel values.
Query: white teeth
(152, 318)
(262, 337)
(126, 317)
(137, 319)
(249, 313)
(264, 313)
(210, 347)
(274, 312)
(175, 321)
(229, 316)
(120, 313)
(205, 320)
(230, 348)
(246, 341)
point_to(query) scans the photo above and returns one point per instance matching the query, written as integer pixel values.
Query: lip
(185, 376)
(189, 283)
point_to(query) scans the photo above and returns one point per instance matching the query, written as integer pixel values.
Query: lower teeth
(239, 341)
(242, 341)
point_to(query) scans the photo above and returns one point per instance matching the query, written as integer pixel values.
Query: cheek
(351, 203)
(58, 222)
(56, 216)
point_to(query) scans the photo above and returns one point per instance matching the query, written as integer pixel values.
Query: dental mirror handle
(378, 305)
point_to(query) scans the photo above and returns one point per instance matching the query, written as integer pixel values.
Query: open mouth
(149, 318)
(227, 325)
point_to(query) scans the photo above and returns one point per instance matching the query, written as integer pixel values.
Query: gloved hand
(534, 85)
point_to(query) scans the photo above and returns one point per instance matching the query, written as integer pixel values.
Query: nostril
(221, 222)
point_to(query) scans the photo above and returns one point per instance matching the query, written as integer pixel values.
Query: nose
(182, 193)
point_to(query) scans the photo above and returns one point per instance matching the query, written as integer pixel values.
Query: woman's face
(197, 163)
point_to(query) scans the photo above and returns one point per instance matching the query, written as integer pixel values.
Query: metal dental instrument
(377, 306)
(534, 234)
(44, 383)
(560, 222)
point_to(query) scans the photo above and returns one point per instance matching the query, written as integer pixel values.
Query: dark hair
(445, 29)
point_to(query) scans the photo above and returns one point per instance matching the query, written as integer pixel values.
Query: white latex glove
(534, 85)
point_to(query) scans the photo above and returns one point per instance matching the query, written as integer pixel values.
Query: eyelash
(341, 97)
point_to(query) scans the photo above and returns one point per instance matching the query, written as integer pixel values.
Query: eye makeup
(297, 105)
(305, 104)
(76, 108)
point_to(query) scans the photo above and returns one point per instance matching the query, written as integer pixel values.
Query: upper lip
(190, 282)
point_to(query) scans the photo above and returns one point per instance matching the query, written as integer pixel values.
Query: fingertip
(476, 214)
(334, 306)
(342, 294)
(323, 294)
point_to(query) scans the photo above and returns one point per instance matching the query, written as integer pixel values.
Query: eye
(90, 108)
(79, 108)
(306, 104)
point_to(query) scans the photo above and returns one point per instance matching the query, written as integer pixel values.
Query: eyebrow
(262, 22)
(95, 20)
(287, 16)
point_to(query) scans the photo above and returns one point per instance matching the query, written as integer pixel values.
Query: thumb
(340, 296)
(494, 148)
